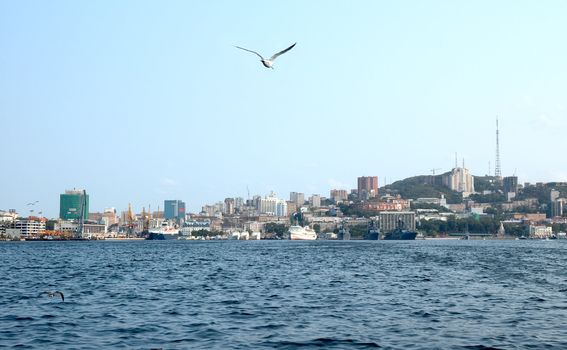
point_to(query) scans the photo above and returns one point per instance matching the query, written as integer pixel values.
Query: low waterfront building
(194, 225)
(66, 226)
(540, 231)
(92, 230)
(12, 233)
(31, 227)
(390, 220)
(326, 223)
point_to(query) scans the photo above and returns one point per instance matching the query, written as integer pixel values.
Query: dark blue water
(284, 295)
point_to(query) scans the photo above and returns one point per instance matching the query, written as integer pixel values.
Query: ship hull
(400, 236)
(303, 237)
(298, 233)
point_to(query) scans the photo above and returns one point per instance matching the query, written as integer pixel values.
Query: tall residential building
(70, 204)
(272, 205)
(339, 196)
(315, 201)
(460, 180)
(553, 195)
(229, 206)
(557, 208)
(367, 187)
(298, 198)
(174, 209)
(238, 203)
(510, 184)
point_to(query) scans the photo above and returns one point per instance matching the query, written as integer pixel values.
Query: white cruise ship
(168, 231)
(302, 233)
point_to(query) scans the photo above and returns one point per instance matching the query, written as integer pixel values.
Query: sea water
(284, 294)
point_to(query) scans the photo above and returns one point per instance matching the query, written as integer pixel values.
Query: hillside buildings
(272, 205)
(297, 198)
(510, 184)
(229, 206)
(339, 196)
(367, 187)
(315, 201)
(459, 180)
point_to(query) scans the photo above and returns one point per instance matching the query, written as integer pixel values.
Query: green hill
(423, 186)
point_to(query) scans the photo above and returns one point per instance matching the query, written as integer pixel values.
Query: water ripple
(284, 295)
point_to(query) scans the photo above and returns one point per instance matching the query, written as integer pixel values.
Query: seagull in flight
(268, 63)
(53, 294)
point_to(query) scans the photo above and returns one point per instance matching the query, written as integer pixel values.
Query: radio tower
(497, 171)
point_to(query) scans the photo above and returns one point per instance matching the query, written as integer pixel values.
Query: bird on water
(268, 63)
(53, 294)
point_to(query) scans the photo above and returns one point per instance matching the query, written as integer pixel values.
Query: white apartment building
(460, 180)
(272, 205)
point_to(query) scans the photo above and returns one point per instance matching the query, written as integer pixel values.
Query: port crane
(434, 170)
(130, 221)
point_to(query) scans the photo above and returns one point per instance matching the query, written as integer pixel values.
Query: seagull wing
(241, 48)
(61, 294)
(281, 52)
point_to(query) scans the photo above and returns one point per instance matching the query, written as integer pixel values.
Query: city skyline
(138, 102)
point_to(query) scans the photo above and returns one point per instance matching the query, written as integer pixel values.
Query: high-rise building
(510, 184)
(460, 180)
(367, 187)
(174, 209)
(229, 206)
(316, 201)
(557, 208)
(339, 196)
(553, 195)
(272, 205)
(70, 204)
(298, 198)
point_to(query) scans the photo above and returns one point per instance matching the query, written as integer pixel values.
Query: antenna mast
(497, 171)
(456, 164)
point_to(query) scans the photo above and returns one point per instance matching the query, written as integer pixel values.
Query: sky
(142, 101)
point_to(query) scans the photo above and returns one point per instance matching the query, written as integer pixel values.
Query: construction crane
(130, 220)
(434, 170)
(145, 220)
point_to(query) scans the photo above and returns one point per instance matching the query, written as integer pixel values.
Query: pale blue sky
(141, 101)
